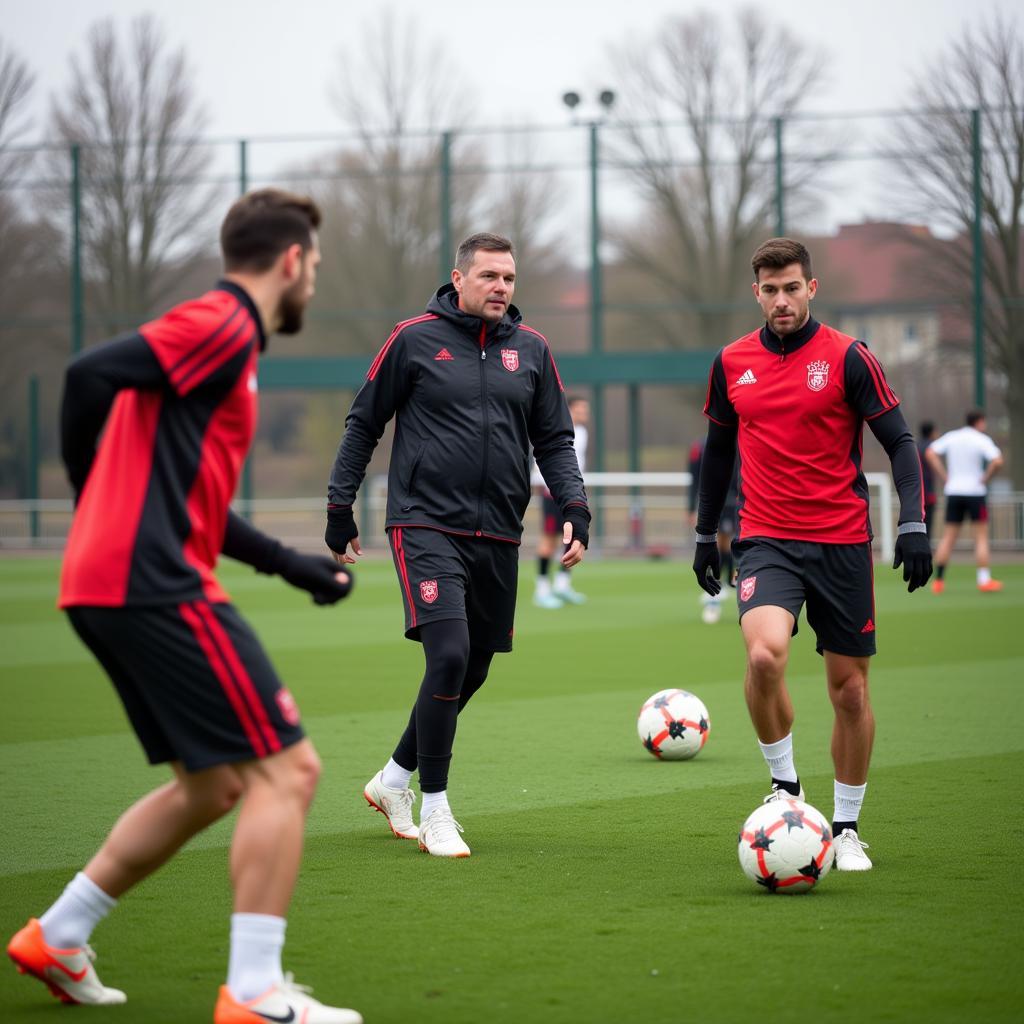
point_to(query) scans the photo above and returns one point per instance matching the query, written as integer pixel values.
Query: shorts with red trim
(835, 580)
(448, 576)
(194, 679)
(550, 515)
(966, 506)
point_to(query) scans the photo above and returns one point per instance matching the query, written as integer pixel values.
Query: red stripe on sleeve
(885, 395)
(874, 359)
(386, 347)
(554, 365)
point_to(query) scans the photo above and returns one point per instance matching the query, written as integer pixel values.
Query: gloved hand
(579, 517)
(316, 574)
(707, 566)
(914, 553)
(342, 531)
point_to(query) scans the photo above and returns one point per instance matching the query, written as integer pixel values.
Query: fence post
(243, 187)
(77, 311)
(33, 455)
(978, 262)
(596, 317)
(445, 211)
(636, 519)
(780, 182)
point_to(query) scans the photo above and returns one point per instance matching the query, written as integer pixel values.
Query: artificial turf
(604, 885)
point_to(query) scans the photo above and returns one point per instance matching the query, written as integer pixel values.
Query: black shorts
(970, 506)
(446, 576)
(836, 581)
(550, 515)
(195, 681)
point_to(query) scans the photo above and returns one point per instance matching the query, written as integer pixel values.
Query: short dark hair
(262, 224)
(974, 415)
(777, 253)
(481, 240)
(927, 428)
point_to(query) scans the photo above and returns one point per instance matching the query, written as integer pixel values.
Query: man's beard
(292, 310)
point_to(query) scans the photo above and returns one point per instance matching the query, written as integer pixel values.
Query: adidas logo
(443, 355)
(747, 377)
(869, 627)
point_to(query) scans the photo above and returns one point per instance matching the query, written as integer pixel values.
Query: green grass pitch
(604, 885)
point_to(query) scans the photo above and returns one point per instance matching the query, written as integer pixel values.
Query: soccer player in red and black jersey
(155, 428)
(789, 401)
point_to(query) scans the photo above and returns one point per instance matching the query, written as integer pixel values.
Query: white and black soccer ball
(673, 725)
(786, 846)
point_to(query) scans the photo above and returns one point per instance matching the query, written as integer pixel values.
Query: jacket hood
(445, 304)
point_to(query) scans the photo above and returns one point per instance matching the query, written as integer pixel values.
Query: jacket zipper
(487, 430)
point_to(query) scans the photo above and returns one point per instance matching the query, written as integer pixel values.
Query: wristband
(706, 538)
(904, 528)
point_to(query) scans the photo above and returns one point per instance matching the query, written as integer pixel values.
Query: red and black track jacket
(469, 400)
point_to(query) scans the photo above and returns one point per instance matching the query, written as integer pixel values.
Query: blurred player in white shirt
(547, 594)
(971, 460)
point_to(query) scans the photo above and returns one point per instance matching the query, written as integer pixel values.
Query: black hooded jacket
(469, 400)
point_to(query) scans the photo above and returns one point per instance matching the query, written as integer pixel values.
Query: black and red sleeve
(867, 390)
(718, 406)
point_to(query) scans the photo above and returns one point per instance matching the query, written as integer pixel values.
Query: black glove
(914, 553)
(316, 574)
(707, 566)
(579, 516)
(341, 529)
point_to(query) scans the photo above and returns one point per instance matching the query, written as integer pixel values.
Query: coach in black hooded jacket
(472, 389)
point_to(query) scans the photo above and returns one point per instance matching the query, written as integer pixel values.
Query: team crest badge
(510, 359)
(286, 703)
(817, 375)
(428, 591)
(747, 588)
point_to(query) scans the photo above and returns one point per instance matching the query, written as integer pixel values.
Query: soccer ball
(673, 725)
(786, 846)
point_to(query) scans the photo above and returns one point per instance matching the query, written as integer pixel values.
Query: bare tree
(695, 128)
(131, 109)
(983, 70)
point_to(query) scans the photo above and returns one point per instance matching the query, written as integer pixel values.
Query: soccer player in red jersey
(789, 401)
(155, 427)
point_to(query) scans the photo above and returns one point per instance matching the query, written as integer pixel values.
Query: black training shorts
(447, 576)
(966, 506)
(835, 580)
(550, 515)
(195, 681)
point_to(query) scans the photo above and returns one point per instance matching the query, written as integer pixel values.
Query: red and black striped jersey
(151, 514)
(799, 404)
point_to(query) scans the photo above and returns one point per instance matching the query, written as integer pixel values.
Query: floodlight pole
(780, 182)
(445, 254)
(77, 304)
(978, 263)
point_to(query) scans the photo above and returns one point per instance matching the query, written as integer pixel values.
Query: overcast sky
(263, 67)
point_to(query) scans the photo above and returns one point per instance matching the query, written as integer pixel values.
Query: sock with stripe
(79, 908)
(254, 965)
(779, 758)
(848, 802)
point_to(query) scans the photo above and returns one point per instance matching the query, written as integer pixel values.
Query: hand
(342, 531)
(707, 566)
(575, 535)
(914, 553)
(316, 574)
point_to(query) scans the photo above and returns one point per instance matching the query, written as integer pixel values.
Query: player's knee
(765, 661)
(306, 770)
(850, 695)
(447, 669)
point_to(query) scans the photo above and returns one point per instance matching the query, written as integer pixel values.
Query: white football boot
(439, 834)
(778, 793)
(284, 1002)
(67, 973)
(850, 855)
(567, 595)
(394, 804)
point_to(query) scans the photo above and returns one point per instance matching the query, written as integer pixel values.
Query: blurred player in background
(471, 389)
(155, 427)
(790, 401)
(546, 595)
(972, 459)
(924, 438)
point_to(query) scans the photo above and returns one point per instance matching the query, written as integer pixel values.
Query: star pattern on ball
(811, 870)
(770, 882)
(761, 840)
(676, 729)
(793, 819)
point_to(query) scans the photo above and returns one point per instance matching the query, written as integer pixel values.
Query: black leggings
(454, 672)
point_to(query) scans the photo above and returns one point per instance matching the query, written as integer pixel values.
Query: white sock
(395, 776)
(79, 908)
(431, 801)
(543, 586)
(848, 801)
(984, 575)
(780, 758)
(255, 962)
(562, 581)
